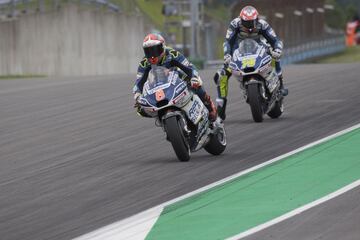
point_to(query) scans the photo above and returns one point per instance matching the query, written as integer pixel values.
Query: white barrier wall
(71, 41)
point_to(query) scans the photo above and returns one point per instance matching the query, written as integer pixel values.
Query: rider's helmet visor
(250, 24)
(153, 51)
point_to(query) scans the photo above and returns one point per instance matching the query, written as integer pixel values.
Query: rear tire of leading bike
(217, 143)
(255, 101)
(177, 138)
(277, 110)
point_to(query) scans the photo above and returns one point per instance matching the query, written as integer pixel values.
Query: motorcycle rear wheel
(177, 138)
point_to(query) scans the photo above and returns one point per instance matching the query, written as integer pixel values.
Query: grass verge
(350, 55)
(8, 77)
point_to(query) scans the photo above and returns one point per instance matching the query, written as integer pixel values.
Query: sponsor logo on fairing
(178, 98)
(173, 76)
(143, 102)
(202, 126)
(180, 88)
(194, 111)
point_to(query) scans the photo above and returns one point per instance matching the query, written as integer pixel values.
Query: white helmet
(154, 47)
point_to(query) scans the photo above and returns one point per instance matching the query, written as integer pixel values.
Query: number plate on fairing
(195, 109)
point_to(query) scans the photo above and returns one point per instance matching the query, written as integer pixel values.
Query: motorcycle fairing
(195, 110)
(249, 64)
(172, 90)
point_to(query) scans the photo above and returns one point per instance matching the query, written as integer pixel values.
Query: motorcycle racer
(157, 53)
(247, 25)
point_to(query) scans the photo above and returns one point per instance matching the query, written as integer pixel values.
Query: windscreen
(158, 76)
(248, 47)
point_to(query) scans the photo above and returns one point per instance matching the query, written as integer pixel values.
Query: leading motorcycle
(252, 65)
(181, 114)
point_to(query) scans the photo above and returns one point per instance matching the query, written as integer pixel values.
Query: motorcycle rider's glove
(196, 82)
(276, 53)
(227, 59)
(139, 110)
(136, 98)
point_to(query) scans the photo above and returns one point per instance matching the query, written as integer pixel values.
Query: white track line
(296, 211)
(138, 226)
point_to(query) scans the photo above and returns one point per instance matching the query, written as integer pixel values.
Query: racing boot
(221, 107)
(284, 91)
(211, 107)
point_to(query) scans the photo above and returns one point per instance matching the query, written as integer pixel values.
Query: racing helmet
(154, 47)
(249, 17)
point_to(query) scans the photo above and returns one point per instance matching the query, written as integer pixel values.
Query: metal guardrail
(301, 52)
(107, 3)
(313, 50)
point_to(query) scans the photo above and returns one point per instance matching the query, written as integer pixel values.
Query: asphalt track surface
(333, 220)
(75, 157)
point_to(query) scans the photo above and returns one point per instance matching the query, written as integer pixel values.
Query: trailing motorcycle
(252, 65)
(180, 112)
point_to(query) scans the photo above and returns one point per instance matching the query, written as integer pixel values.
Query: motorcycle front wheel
(256, 102)
(175, 135)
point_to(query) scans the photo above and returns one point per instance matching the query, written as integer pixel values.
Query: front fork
(244, 87)
(179, 115)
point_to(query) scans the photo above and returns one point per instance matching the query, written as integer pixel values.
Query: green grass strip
(264, 194)
(350, 55)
